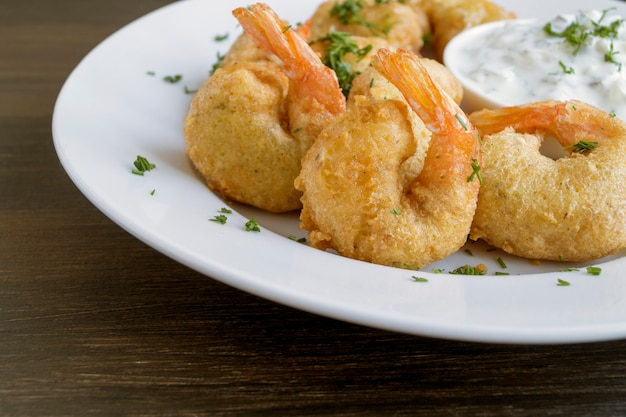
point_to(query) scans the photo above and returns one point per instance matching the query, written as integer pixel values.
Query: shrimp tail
(408, 74)
(529, 118)
(567, 121)
(453, 134)
(295, 57)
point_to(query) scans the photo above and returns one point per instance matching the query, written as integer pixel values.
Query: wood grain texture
(93, 322)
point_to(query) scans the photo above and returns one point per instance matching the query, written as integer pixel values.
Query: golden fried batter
(570, 209)
(450, 17)
(253, 120)
(378, 186)
(399, 24)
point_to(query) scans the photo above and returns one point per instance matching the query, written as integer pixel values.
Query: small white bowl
(474, 95)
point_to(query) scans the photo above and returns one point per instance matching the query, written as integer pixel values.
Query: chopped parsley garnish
(479, 269)
(172, 79)
(297, 239)
(142, 165)
(349, 13)
(252, 225)
(562, 283)
(475, 172)
(419, 279)
(220, 38)
(566, 69)
(461, 121)
(396, 212)
(341, 44)
(610, 57)
(594, 270)
(501, 263)
(582, 146)
(576, 34)
(217, 64)
(219, 218)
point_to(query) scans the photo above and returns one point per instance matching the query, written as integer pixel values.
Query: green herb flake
(221, 38)
(341, 44)
(419, 279)
(501, 263)
(479, 269)
(297, 239)
(582, 146)
(396, 212)
(348, 12)
(576, 34)
(500, 273)
(217, 64)
(594, 270)
(475, 172)
(219, 218)
(152, 192)
(142, 165)
(462, 122)
(252, 225)
(172, 79)
(566, 69)
(562, 283)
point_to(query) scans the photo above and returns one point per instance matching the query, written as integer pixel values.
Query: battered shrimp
(450, 17)
(572, 208)
(398, 23)
(365, 195)
(253, 120)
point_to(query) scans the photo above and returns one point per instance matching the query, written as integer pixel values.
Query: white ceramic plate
(112, 109)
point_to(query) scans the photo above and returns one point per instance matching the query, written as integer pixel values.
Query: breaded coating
(397, 23)
(253, 120)
(569, 209)
(378, 185)
(448, 18)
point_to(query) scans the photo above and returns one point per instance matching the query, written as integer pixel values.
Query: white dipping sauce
(518, 62)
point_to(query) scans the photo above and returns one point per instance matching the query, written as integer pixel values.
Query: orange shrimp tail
(567, 121)
(296, 58)
(453, 134)
(404, 70)
(529, 118)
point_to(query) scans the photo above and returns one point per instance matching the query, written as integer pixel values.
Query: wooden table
(93, 322)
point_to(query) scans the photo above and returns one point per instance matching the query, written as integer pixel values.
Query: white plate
(110, 110)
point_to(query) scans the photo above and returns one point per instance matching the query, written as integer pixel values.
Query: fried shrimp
(450, 17)
(572, 208)
(253, 120)
(370, 195)
(395, 22)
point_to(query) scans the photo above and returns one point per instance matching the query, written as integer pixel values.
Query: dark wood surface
(93, 322)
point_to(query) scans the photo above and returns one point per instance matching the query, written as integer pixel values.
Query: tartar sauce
(573, 56)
